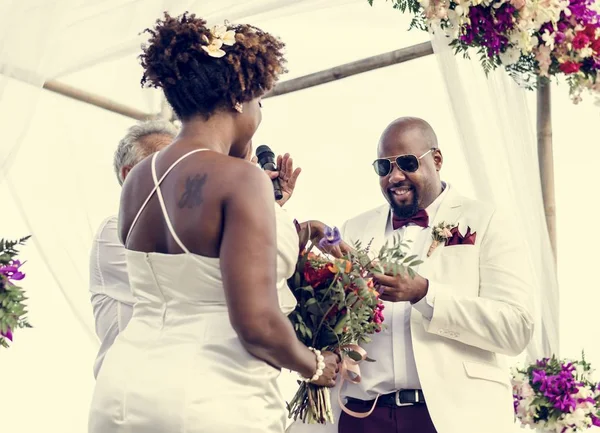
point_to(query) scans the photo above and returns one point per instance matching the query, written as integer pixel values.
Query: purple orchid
(8, 334)
(11, 271)
(595, 421)
(331, 239)
(539, 376)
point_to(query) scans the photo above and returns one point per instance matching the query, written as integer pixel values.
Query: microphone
(266, 159)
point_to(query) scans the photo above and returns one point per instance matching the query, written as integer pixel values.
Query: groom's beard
(405, 210)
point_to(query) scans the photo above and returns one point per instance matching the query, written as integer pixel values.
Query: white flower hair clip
(220, 35)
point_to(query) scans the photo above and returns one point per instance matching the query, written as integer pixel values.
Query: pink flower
(543, 58)
(581, 41)
(518, 4)
(570, 67)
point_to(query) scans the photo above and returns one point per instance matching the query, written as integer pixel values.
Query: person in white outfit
(439, 363)
(208, 252)
(110, 295)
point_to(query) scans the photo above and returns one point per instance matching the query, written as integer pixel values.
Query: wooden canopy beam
(96, 100)
(318, 78)
(347, 70)
(546, 158)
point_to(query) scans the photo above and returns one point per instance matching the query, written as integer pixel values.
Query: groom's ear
(438, 159)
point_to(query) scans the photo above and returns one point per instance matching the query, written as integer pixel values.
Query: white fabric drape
(492, 117)
(42, 40)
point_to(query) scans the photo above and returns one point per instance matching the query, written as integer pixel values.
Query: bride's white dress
(179, 366)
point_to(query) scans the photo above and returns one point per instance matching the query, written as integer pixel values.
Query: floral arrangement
(12, 309)
(220, 35)
(557, 395)
(529, 38)
(338, 308)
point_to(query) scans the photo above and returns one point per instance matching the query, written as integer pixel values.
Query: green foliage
(13, 312)
(338, 306)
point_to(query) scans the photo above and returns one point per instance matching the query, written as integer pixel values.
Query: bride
(208, 252)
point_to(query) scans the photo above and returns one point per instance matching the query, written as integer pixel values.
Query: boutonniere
(440, 233)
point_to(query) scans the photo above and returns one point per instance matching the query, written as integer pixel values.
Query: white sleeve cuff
(426, 304)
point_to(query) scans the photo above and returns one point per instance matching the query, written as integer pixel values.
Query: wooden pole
(546, 157)
(311, 80)
(354, 68)
(96, 100)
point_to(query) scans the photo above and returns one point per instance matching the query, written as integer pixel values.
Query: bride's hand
(329, 376)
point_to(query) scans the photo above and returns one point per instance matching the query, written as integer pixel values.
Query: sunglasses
(406, 163)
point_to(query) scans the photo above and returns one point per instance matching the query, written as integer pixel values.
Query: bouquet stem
(311, 404)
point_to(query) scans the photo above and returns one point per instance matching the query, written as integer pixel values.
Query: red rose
(596, 46)
(317, 277)
(570, 67)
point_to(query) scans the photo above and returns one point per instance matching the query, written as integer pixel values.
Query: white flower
(527, 391)
(510, 56)
(214, 49)
(219, 31)
(585, 53)
(229, 38)
(548, 39)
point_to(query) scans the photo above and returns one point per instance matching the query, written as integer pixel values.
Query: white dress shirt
(111, 296)
(392, 349)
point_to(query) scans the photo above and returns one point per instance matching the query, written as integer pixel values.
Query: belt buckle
(397, 397)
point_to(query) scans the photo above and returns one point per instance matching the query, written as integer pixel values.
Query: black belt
(403, 397)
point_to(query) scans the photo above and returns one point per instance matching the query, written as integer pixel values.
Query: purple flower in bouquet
(11, 271)
(595, 421)
(8, 334)
(331, 239)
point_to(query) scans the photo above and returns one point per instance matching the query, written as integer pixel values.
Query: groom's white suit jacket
(482, 307)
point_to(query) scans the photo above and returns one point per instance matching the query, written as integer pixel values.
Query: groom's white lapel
(449, 212)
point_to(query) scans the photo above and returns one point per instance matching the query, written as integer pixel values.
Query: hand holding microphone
(282, 175)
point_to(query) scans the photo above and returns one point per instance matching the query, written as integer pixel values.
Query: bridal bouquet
(338, 308)
(12, 309)
(529, 38)
(557, 395)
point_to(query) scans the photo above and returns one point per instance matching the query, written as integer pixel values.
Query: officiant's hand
(401, 287)
(286, 174)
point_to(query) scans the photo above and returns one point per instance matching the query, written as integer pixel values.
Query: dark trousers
(404, 419)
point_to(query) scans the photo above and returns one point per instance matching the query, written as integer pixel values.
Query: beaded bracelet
(320, 366)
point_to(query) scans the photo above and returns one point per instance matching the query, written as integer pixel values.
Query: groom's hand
(401, 287)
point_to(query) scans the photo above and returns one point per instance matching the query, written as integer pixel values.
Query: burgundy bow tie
(420, 219)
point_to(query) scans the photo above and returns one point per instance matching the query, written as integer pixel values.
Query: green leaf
(354, 355)
(410, 258)
(310, 302)
(339, 327)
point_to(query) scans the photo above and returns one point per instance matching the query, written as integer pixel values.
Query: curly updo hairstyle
(195, 82)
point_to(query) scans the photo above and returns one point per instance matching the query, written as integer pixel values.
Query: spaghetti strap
(160, 197)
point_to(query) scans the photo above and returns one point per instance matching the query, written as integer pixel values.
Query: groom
(437, 367)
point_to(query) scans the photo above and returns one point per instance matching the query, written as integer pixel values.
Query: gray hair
(131, 151)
